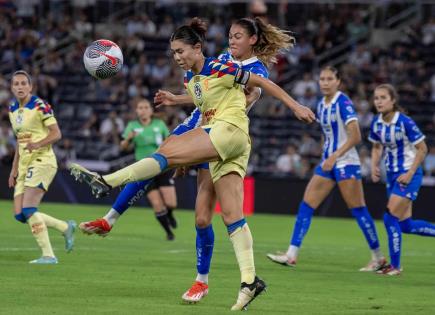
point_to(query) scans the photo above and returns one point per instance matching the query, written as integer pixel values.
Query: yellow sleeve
(46, 113)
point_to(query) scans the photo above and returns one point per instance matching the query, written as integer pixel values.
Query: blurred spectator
(301, 86)
(429, 162)
(308, 146)
(366, 160)
(111, 128)
(356, 27)
(289, 162)
(309, 99)
(65, 152)
(360, 56)
(428, 32)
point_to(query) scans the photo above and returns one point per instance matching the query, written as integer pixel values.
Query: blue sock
(394, 238)
(204, 248)
(302, 224)
(418, 227)
(28, 211)
(233, 226)
(131, 193)
(367, 226)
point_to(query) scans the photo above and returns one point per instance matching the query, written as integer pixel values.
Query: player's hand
(304, 114)
(12, 179)
(164, 98)
(180, 171)
(131, 135)
(31, 146)
(406, 178)
(376, 174)
(329, 163)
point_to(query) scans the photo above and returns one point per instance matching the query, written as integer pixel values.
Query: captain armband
(242, 77)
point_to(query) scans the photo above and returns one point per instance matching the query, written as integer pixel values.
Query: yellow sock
(143, 169)
(51, 222)
(40, 233)
(243, 247)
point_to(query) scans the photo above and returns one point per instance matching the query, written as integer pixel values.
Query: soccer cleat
(98, 185)
(99, 226)
(389, 271)
(247, 293)
(196, 292)
(375, 265)
(170, 236)
(283, 259)
(171, 219)
(44, 260)
(69, 235)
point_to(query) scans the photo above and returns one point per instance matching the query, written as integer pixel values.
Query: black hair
(333, 69)
(192, 33)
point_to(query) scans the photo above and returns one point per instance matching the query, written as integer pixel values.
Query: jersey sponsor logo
(197, 90)
(333, 117)
(349, 109)
(209, 114)
(399, 135)
(415, 128)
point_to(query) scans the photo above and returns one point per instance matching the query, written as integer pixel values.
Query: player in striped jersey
(340, 165)
(396, 136)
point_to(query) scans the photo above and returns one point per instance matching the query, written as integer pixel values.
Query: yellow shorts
(37, 174)
(233, 146)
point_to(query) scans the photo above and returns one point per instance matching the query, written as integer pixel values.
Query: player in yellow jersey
(217, 90)
(34, 165)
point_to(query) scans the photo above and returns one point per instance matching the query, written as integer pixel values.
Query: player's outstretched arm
(301, 112)
(166, 98)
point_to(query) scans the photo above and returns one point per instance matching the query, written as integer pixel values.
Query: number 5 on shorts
(29, 173)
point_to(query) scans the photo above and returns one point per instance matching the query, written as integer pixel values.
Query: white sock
(202, 278)
(111, 216)
(292, 252)
(376, 254)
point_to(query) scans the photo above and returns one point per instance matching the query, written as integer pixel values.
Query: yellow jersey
(218, 92)
(29, 123)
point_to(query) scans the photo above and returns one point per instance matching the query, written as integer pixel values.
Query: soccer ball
(103, 59)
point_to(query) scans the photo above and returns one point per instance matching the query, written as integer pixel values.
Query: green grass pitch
(136, 271)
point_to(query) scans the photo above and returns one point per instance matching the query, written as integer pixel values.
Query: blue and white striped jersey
(333, 118)
(399, 138)
(253, 65)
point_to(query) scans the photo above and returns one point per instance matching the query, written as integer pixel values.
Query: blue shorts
(409, 191)
(339, 174)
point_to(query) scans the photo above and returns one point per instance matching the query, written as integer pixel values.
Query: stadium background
(135, 270)
(370, 41)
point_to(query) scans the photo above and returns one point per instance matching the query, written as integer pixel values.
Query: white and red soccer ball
(103, 59)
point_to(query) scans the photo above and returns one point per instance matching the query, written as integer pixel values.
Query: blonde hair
(271, 39)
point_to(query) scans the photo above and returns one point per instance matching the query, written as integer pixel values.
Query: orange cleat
(196, 292)
(100, 227)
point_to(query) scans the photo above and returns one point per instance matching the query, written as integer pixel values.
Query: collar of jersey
(393, 121)
(30, 104)
(334, 99)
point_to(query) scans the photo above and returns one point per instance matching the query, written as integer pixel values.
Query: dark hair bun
(199, 26)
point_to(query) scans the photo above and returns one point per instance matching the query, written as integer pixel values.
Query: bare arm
(301, 112)
(354, 137)
(376, 158)
(14, 171)
(406, 178)
(252, 95)
(419, 157)
(53, 136)
(168, 99)
(126, 144)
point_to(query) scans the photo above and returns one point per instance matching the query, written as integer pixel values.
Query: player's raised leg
(128, 196)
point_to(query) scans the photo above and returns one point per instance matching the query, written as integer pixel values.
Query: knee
(406, 225)
(202, 221)
(20, 217)
(28, 211)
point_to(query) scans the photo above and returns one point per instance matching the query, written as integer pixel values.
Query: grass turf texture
(136, 271)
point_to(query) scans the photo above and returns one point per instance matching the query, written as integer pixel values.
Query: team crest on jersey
(197, 90)
(20, 117)
(399, 135)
